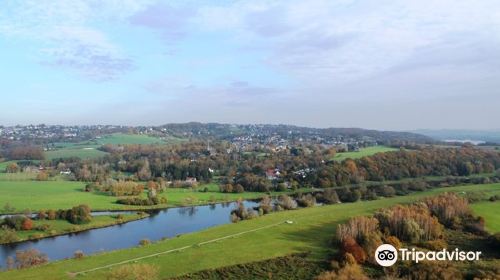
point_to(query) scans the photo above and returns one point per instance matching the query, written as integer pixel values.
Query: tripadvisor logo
(387, 255)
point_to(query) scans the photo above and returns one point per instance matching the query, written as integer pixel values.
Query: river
(161, 224)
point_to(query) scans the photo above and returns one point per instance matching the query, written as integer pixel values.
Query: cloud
(169, 21)
(67, 37)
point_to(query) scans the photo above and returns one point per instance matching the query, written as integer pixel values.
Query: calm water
(161, 224)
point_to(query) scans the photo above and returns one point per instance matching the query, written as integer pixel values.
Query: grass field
(73, 151)
(127, 139)
(490, 211)
(36, 195)
(363, 153)
(312, 231)
(89, 149)
(58, 227)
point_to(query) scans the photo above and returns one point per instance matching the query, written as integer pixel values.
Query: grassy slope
(312, 231)
(490, 211)
(362, 153)
(88, 149)
(36, 195)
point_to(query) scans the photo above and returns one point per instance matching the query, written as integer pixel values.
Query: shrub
(80, 214)
(51, 214)
(42, 215)
(78, 255)
(27, 224)
(134, 272)
(43, 227)
(8, 235)
(330, 196)
(286, 202)
(30, 258)
(42, 176)
(350, 246)
(265, 205)
(15, 222)
(306, 200)
(145, 242)
(139, 201)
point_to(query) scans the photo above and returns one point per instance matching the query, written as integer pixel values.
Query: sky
(393, 65)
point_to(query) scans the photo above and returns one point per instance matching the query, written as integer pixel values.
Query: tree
(27, 224)
(30, 258)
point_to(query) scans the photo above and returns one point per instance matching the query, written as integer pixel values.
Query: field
(363, 153)
(36, 195)
(89, 149)
(311, 231)
(128, 139)
(490, 211)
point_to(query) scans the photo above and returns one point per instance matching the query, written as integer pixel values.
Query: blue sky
(375, 64)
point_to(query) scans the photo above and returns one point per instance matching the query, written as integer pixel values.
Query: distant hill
(490, 136)
(223, 131)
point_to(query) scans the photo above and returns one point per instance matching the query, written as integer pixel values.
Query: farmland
(363, 153)
(311, 231)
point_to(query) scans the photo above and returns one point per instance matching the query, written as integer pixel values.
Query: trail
(173, 250)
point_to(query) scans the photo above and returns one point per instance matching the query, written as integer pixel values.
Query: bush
(265, 205)
(16, 222)
(79, 215)
(27, 224)
(78, 255)
(330, 196)
(139, 201)
(8, 235)
(43, 227)
(286, 202)
(145, 242)
(306, 200)
(42, 176)
(29, 258)
(134, 272)
(350, 246)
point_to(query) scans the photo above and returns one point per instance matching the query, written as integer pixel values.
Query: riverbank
(55, 228)
(311, 231)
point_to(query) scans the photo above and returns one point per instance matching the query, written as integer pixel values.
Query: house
(65, 172)
(191, 180)
(273, 174)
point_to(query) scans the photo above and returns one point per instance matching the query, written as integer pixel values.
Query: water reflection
(161, 224)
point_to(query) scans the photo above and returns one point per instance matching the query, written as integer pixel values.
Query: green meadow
(89, 149)
(490, 211)
(311, 231)
(35, 195)
(363, 153)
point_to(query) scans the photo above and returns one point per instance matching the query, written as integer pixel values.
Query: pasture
(311, 231)
(363, 153)
(490, 211)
